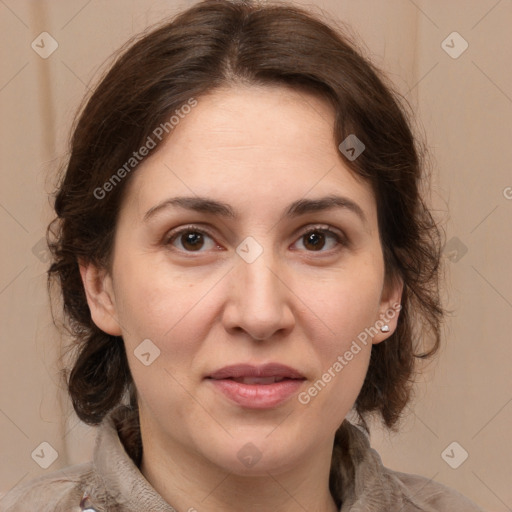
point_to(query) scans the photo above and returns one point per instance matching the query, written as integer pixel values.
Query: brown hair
(221, 43)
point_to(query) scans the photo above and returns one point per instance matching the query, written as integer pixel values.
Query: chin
(256, 456)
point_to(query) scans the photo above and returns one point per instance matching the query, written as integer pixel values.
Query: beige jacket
(112, 482)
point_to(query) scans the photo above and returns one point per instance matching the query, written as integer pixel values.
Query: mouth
(258, 380)
(267, 373)
(257, 387)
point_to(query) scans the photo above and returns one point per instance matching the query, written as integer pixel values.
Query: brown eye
(316, 240)
(190, 240)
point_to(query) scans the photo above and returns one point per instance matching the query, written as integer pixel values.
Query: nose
(260, 300)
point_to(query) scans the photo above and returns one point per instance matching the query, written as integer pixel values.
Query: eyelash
(339, 239)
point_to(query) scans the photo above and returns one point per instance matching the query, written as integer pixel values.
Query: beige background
(465, 106)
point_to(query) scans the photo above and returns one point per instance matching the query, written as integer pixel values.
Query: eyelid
(183, 229)
(339, 235)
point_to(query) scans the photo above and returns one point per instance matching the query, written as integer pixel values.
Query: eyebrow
(297, 208)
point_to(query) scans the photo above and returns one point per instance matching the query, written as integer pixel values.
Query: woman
(244, 259)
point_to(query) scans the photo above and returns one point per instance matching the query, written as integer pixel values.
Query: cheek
(343, 311)
(344, 306)
(343, 356)
(154, 302)
(164, 309)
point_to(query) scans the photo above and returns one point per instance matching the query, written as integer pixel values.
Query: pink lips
(257, 387)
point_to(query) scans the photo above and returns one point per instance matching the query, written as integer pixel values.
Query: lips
(257, 387)
(258, 380)
(267, 372)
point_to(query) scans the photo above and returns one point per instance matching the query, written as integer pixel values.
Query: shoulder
(60, 490)
(364, 483)
(426, 494)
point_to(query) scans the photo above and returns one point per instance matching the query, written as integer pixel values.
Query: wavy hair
(219, 43)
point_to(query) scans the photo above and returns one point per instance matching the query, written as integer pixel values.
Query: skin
(257, 149)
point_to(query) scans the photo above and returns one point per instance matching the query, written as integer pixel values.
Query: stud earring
(385, 328)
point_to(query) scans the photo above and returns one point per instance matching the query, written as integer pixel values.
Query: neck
(192, 484)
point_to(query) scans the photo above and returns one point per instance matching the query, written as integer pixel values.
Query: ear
(389, 310)
(100, 297)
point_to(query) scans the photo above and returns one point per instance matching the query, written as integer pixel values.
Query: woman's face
(244, 274)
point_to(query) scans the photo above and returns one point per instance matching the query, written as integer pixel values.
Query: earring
(385, 328)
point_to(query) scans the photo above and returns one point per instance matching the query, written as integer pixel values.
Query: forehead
(242, 145)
